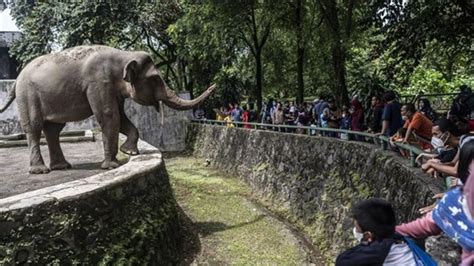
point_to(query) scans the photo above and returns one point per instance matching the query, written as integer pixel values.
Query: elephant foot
(39, 169)
(60, 165)
(110, 164)
(129, 148)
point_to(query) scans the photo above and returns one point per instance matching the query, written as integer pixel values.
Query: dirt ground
(85, 158)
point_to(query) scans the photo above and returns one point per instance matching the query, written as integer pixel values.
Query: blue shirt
(236, 114)
(391, 113)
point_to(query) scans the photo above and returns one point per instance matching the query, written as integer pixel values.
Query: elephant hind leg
(128, 129)
(33, 135)
(51, 131)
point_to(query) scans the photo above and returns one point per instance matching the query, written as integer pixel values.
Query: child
(374, 229)
(346, 122)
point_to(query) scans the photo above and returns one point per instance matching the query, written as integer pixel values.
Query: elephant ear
(130, 74)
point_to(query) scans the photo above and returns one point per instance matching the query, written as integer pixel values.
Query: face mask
(357, 235)
(437, 143)
(405, 118)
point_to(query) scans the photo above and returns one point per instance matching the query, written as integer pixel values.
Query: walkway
(231, 229)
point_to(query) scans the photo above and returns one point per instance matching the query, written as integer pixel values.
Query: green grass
(231, 229)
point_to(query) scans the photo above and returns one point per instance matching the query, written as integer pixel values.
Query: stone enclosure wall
(313, 181)
(125, 216)
(169, 136)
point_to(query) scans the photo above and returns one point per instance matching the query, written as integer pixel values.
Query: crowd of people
(408, 123)
(449, 154)
(382, 242)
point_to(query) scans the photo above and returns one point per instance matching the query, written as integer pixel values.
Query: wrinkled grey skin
(83, 81)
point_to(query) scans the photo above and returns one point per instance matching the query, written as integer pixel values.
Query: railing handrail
(414, 151)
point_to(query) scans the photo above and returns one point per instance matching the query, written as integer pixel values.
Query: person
(454, 213)
(424, 106)
(278, 117)
(378, 243)
(199, 113)
(445, 142)
(333, 117)
(253, 117)
(220, 114)
(228, 121)
(346, 122)
(357, 117)
(375, 115)
(236, 113)
(391, 116)
(246, 116)
(450, 168)
(319, 108)
(418, 124)
(303, 118)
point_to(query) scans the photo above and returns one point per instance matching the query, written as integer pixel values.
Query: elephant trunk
(174, 101)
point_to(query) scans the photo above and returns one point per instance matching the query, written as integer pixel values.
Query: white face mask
(357, 235)
(405, 118)
(437, 142)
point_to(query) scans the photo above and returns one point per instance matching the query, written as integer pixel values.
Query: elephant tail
(11, 96)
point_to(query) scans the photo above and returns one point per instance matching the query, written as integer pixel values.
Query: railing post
(412, 158)
(384, 145)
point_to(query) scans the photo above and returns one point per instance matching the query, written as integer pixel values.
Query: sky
(6, 21)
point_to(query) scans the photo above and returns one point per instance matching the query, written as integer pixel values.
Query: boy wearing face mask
(378, 243)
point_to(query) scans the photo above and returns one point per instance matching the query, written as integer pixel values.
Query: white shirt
(400, 254)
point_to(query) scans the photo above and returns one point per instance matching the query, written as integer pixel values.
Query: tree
(57, 25)
(334, 12)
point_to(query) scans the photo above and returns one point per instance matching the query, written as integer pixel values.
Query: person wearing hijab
(454, 213)
(357, 114)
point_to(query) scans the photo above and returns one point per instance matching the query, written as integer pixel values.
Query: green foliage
(253, 47)
(426, 81)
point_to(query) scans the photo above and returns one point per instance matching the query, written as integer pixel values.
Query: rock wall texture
(125, 216)
(169, 136)
(313, 181)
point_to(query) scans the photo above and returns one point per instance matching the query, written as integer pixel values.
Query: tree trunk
(300, 52)
(338, 52)
(258, 77)
(339, 68)
(300, 69)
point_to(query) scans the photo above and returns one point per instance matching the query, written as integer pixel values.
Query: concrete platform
(85, 158)
(86, 215)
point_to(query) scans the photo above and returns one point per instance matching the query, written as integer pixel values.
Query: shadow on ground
(209, 228)
(190, 239)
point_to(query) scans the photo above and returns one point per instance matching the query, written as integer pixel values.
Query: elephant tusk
(162, 114)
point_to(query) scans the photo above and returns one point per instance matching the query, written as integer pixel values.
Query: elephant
(82, 81)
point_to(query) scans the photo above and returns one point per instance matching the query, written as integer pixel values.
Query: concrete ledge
(126, 215)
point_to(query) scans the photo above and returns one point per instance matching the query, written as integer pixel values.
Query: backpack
(463, 105)
(421, 257)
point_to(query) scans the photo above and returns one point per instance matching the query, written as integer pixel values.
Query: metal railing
(381, 140)
(440, 102)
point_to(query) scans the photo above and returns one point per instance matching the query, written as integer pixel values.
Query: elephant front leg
(128, 129)
(106, 111)
(110, 132)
